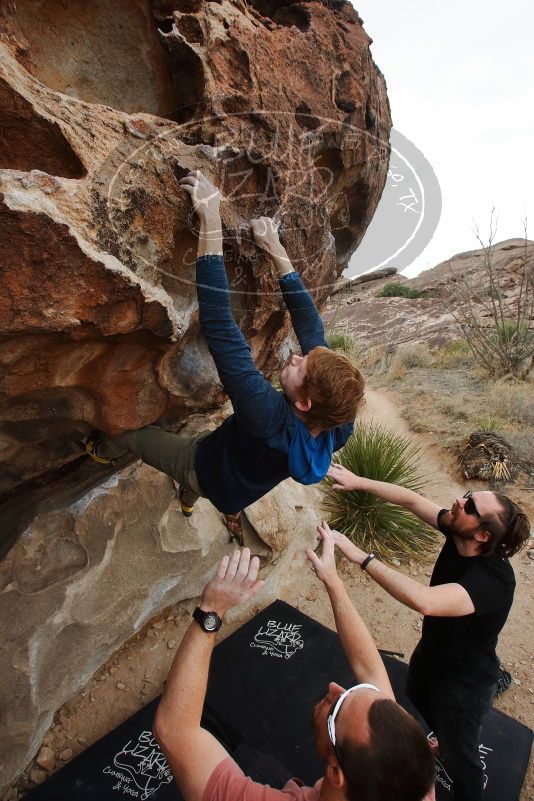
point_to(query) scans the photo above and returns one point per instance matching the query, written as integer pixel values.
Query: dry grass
(373, 357)
(408, 356)
(513, 401)
(454, 354)
(451, 402)
(339, 340)
(397, 370)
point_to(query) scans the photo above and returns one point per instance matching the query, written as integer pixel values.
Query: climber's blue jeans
(173, 454)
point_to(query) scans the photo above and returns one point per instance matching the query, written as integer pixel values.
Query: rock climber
(271, 435)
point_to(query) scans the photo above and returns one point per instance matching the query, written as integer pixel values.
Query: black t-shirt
(462, 649)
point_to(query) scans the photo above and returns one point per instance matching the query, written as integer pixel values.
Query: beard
(449, 529)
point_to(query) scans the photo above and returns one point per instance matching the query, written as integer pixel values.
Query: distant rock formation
(345, 285)
(391, 321)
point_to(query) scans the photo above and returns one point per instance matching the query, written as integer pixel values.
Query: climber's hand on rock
(265, 233)
(324, 563)
(205, 196)
(235, 582)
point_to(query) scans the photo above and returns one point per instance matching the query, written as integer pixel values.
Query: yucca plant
(375, 452)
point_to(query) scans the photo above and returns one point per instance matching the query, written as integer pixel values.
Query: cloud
(460, 85)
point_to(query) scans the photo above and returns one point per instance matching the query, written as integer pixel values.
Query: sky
(460, 79)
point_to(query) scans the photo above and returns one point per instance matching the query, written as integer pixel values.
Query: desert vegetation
(497, 328)
(378, 453)
(447, 393)
(338, 340)
(394, 289)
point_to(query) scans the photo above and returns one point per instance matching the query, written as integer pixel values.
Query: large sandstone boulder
(83, 579)
(102, 106)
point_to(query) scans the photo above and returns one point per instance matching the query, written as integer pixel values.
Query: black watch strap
(366, 561)
(208, 621)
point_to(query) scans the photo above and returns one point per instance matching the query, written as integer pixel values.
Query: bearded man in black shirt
(454, 668)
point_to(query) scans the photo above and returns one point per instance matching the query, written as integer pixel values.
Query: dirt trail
(437, 465)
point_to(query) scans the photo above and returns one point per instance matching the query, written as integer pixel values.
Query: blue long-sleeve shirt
(263, 442)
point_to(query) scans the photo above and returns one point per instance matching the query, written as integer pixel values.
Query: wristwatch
(367, 560)
(208, 621)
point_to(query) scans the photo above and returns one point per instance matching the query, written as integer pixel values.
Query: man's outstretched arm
(345, 481)
(305, 318)
(357, 642)
(191, 751)
(257, 405)
(443, 600)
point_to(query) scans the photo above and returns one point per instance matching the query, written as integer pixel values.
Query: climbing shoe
(187, 511)
(90, 445)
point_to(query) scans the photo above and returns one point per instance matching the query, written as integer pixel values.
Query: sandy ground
(136, 673)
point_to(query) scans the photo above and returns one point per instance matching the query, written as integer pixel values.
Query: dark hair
(395, 765)
(509, 532)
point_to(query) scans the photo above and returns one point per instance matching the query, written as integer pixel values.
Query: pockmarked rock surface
(82, 580)
(357, 308)
(102, 107)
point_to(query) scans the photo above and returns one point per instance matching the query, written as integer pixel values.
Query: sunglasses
(470, 505)
(334, 712)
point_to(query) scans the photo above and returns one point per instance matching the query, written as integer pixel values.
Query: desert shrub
(456, 353)
(512, 401)
(377, 453)
(373, 356)
(397, 370)
(394, 289)
(338, 340)
(411, 354)
(497, 329)
(487, 422)
(507, 333)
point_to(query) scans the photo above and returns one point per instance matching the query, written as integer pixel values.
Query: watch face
(210, 622)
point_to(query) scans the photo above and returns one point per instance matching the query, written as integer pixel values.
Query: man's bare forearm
(357, 642)
(281, 261)
(182, 702)
(283, 265)
(416, 504)
(403, 588)
(388, 492)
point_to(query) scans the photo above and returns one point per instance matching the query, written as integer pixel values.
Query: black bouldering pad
(264, 681)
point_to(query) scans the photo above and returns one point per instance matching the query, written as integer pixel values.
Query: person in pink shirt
(372, 749)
